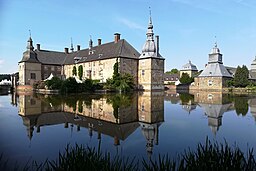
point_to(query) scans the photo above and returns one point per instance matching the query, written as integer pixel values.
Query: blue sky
(187, 28)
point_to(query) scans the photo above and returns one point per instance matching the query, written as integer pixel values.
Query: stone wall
(25, 71)
(47, 70)
(210, 83)
(151, 74)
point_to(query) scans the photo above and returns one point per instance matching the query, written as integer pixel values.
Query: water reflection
(117, 116)
(141, 124)
(214, 104)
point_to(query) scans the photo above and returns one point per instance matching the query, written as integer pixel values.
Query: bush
(54, 84)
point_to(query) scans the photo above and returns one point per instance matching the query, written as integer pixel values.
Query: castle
(97, 62)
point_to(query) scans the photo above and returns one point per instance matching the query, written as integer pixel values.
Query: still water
(38, 127)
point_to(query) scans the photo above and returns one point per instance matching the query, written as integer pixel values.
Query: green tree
(186, 79)
(241, 105)
(241, 77)
(80, 72)
(74, 72)
(124, 82)
(173, 71)
(54, 84)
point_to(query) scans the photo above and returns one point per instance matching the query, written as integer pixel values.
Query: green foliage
(119, 100)
(185, 98)
(80, 106)
(241, 77)
(54, 84)
(173, 71)
(5, 76)
(207, 156)
(118, 82)
(186, 79)
(70, 86)
(80, 72)
(74, 72)
(230, 83)
(241, 105)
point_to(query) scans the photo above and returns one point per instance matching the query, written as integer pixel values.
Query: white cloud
(131, 24)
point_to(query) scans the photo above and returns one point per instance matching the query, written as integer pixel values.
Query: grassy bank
(207, 156)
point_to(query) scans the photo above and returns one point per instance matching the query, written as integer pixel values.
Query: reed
(207, 156)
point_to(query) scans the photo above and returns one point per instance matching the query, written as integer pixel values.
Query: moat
(38, 127)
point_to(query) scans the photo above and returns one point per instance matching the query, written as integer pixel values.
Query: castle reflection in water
(119, 115)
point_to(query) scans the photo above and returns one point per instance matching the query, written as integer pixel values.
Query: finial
(215, 44)
(150, 20)
(71, 48)
(29, 33)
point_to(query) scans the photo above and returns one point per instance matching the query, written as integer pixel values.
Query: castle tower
(151, 116)
(29, 66)
(215, 75)
(151, 63)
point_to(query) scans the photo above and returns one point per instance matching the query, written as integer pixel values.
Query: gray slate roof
(215, 70)
(189, 66)
(51, 57)
(109, 50)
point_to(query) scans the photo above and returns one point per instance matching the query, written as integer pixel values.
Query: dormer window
(77, 59)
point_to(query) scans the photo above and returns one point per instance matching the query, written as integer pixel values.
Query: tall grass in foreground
(208, 156)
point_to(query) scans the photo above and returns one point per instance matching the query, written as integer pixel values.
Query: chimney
(38, 46)
(117, 37)
(157, 45)
(66, 50)
(99, 42)
(78, 47)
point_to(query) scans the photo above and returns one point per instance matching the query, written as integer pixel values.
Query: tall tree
(80, 72)
(241, 76)
(186, 79)
(74, 72)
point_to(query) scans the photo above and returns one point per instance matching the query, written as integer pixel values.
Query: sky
(187, 29)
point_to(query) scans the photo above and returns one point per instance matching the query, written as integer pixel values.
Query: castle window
(210, 83)
(142, 108)
(45, 67)
(52, 68)
(94, 73)
(142, 72)
(33, 75)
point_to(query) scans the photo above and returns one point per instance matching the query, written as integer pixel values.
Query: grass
(208, 156)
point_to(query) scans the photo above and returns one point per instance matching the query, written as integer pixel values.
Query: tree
(241, 77)
(186, 79)
(54, 84)
(74, 72)
(80, 72)
(173, 71)
(241, 105)
(124, 82)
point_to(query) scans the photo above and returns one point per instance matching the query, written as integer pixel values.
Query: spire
(150, 34)
(71, 46)
(215, 49)
(149, 49)
(150, 25)
(30, 42)
(215, 44)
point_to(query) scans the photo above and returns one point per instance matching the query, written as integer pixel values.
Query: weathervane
(215, 41)
(29, 33)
